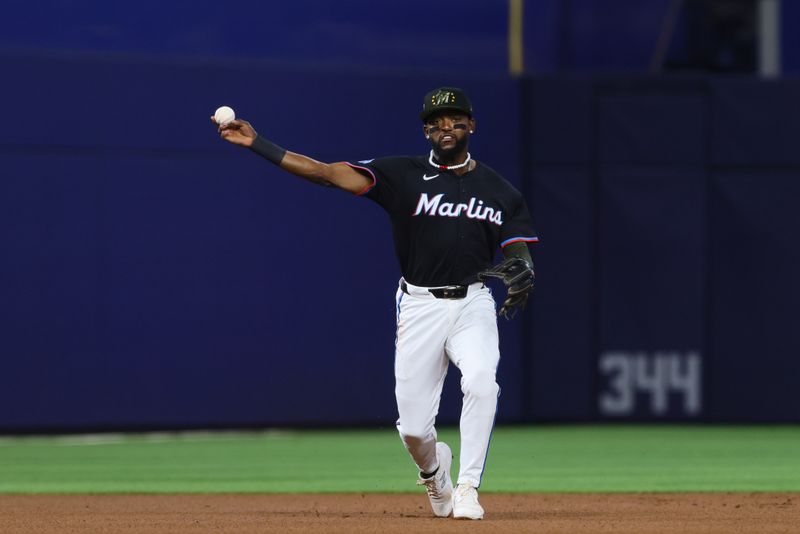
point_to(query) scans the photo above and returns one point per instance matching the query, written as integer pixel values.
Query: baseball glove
(518, 276)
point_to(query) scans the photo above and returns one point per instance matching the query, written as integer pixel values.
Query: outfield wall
(155, 277)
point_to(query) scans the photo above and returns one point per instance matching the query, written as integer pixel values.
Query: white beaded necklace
(449, 167)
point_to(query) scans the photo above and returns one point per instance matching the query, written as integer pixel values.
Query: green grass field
(521, 459)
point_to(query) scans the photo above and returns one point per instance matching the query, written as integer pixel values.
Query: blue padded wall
(156, 277)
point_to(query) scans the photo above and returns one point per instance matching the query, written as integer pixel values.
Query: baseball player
(449, 215)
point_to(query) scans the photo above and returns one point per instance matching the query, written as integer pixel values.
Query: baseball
(224, 115)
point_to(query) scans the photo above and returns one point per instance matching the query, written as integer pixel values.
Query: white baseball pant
(431, 332)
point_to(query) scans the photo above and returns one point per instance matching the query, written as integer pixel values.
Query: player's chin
(448, 148)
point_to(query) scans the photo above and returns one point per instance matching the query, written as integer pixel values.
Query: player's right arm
(339, 175)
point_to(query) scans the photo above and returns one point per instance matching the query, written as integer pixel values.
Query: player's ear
(472, 125)
(425, 131)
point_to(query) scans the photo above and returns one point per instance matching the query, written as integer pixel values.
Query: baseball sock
(428, 475)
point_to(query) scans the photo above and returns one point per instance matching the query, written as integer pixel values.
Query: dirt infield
(760, 513)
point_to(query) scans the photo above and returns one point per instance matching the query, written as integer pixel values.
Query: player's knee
(416, 437)
(415, 434)
(480, 385)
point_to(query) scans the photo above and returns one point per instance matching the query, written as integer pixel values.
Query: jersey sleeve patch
(372, 174)
(520, 239)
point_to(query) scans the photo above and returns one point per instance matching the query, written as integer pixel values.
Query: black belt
(449, 292)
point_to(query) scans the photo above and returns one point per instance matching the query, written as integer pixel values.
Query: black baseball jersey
(446, 227)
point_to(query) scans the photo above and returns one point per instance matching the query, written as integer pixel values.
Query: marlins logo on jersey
(475, 209)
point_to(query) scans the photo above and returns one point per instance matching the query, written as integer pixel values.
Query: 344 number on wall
(660, 383)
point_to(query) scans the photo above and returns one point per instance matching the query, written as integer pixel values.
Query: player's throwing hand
(237, 131)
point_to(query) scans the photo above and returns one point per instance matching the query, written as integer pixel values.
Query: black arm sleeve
(518, 250)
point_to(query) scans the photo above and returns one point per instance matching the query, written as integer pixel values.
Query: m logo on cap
(443, 97)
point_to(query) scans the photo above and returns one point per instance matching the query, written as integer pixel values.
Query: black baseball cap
(451, 98)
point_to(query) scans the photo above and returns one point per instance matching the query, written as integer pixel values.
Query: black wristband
(268, 150)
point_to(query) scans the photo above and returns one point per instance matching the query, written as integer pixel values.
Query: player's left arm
(518, 250)
(517, 231)
(516, 270)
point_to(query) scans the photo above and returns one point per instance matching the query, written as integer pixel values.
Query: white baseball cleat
(465, 503)
(439, 486)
